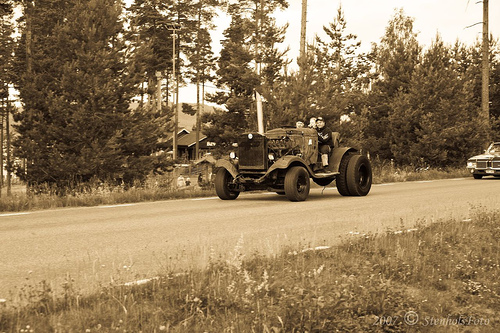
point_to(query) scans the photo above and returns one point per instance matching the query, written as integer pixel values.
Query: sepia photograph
(249, 166)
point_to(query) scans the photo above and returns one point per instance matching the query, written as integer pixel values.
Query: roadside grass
(162, 188)
(104, 194)
(386, 173)
(440, 277)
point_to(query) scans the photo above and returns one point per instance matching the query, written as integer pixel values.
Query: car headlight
(271, 157)
(232, 155)
(471, 164)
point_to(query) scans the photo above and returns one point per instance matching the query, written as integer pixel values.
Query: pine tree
(150, 41)
(200, 55)
(271, 63)
(6, 48)
(433, 122)
(341, 76)
(76, 124)
(249, 61)
(471, 67)
(395, 59)
(236, 75)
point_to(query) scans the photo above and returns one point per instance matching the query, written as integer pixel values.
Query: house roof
(189, 140)
(180, 133)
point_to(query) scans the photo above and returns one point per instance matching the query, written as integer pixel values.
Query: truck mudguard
(285, 162)
(336, 157)
(230, 167)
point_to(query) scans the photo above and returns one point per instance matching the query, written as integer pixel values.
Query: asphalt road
(98, 245)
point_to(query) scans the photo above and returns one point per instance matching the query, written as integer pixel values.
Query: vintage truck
(284, 160)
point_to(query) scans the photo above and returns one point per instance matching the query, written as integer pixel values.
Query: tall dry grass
(154, 189)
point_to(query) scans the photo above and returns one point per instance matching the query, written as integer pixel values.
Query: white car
(487, 164)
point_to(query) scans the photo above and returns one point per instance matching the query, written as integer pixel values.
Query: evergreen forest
(79, 65)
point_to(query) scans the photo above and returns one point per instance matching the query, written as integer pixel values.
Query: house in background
(186, 145)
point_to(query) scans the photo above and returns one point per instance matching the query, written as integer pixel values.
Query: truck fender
(230, 167)
(285, 162)
(336, 156)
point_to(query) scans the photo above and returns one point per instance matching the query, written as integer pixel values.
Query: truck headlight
(271, 157)
(232, 155)
(471, 164)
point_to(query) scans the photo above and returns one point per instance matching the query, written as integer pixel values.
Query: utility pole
(1, 145)
(8, 162)
(258, 97)
(28, 13)
(175, 97)
(198, 111)
(485, 98)
(303, 24)
(158, 91)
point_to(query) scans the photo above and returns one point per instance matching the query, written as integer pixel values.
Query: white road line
(13, 214)
(116, 206)
(208, 198)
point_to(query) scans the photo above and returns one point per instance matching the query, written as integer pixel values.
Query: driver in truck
(325, 141)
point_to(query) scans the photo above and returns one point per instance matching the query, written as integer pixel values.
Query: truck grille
(482, 164)
(485, 164)
(252, 152)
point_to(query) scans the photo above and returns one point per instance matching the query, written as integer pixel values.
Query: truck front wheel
(297, 184)
(224, 186)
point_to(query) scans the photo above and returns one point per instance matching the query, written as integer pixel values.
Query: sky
(368, 19)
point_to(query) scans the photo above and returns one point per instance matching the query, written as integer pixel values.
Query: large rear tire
(359, 175)
(297, 184)
(341, 180)
(224, 185)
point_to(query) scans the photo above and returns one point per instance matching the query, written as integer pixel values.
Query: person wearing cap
(299, 124)
(325, 141)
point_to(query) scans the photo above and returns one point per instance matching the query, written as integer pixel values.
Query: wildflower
(231, 287)
(318, 271)
(264, 285)
(237, 255)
